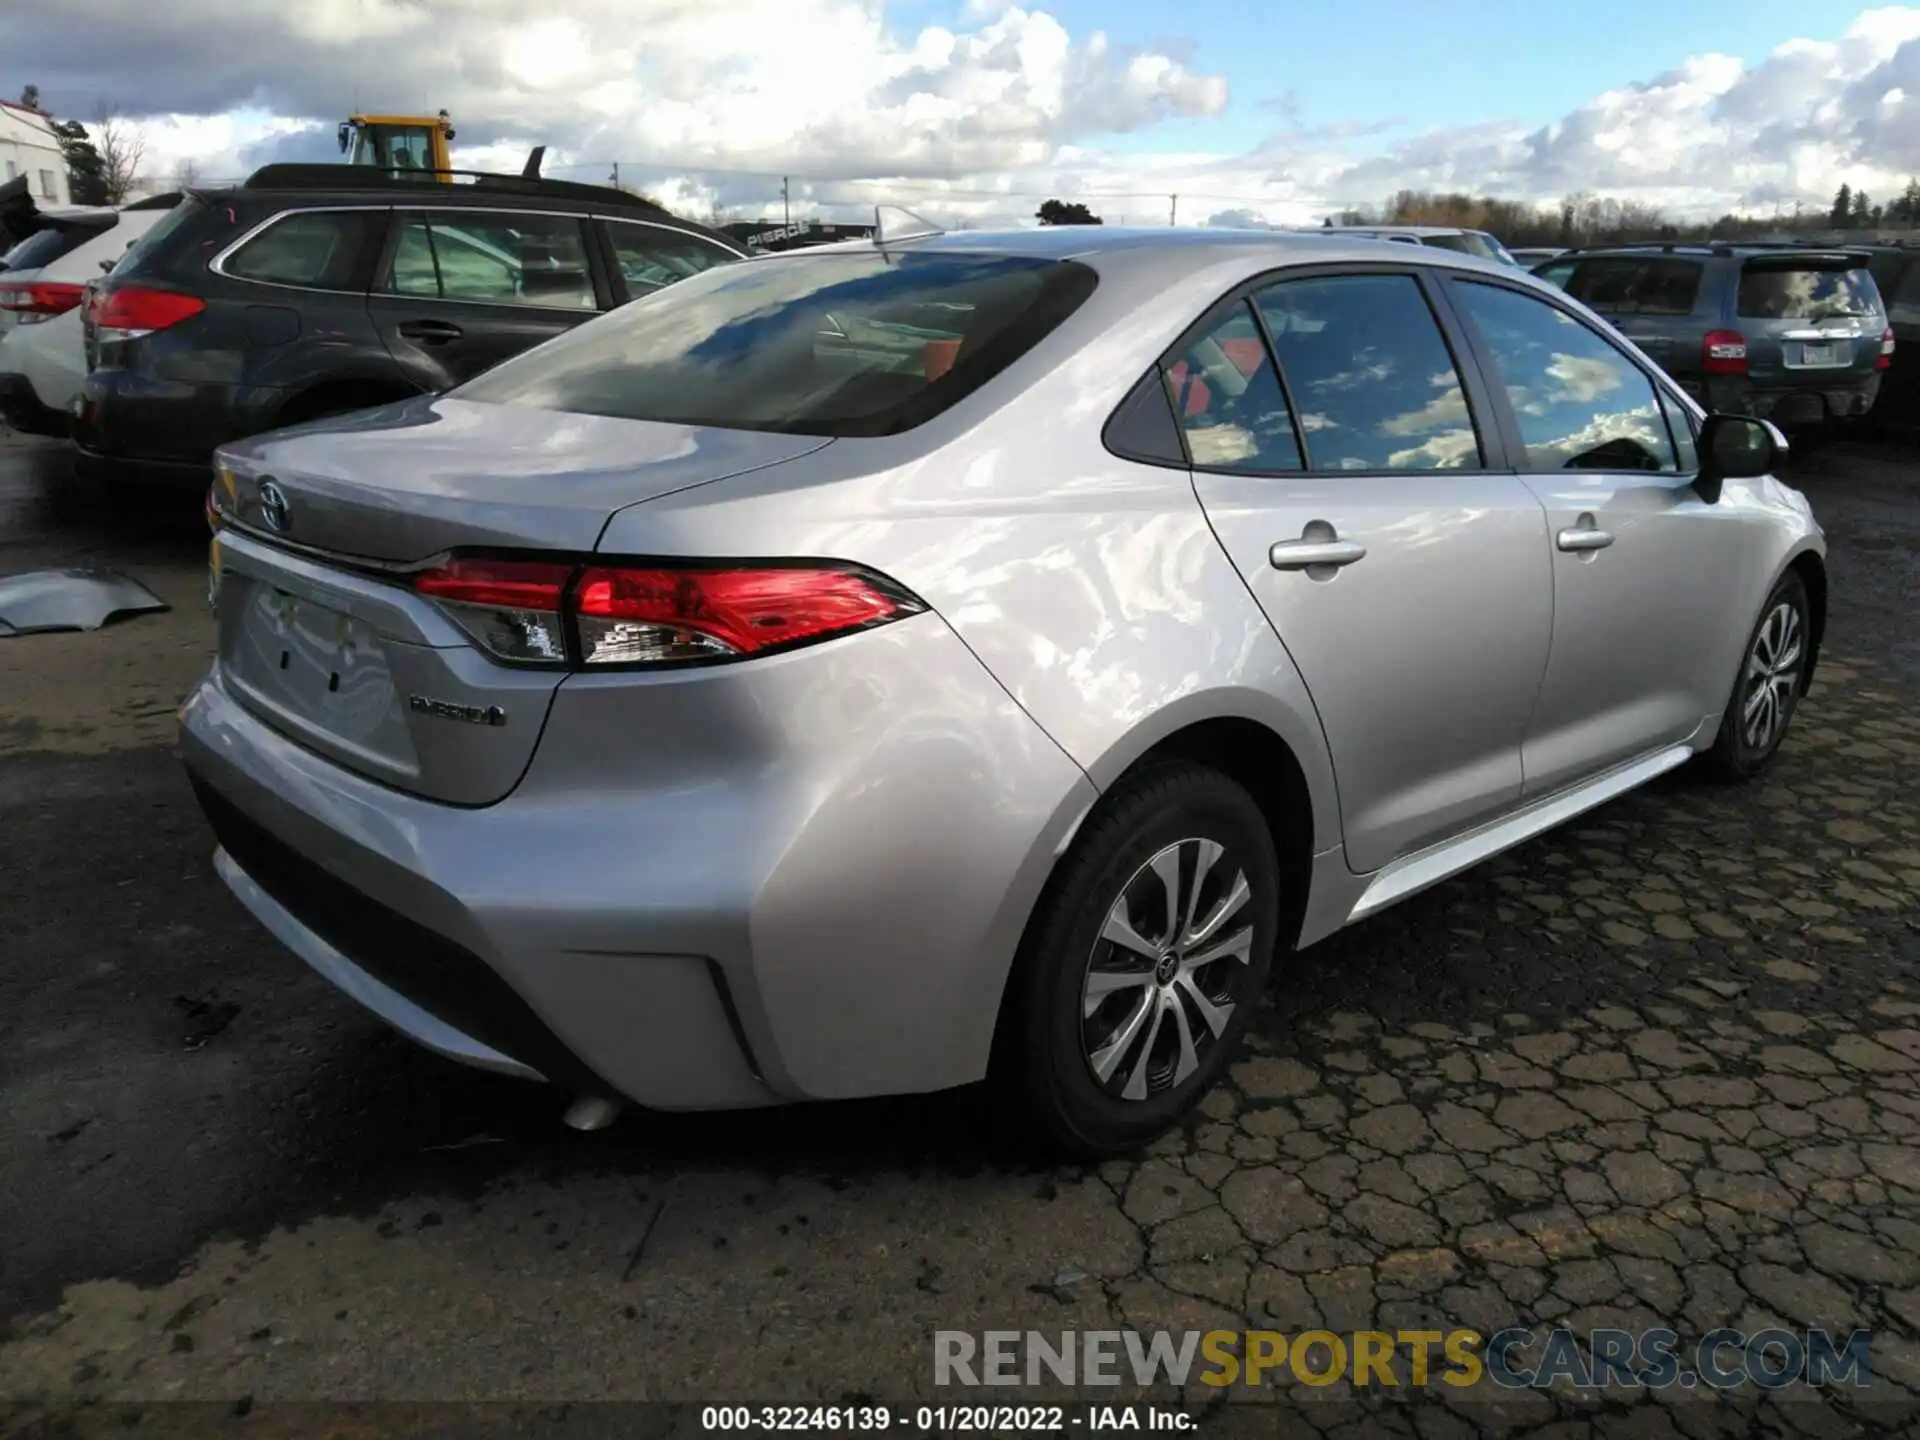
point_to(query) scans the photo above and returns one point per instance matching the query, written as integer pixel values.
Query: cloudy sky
(977, 109)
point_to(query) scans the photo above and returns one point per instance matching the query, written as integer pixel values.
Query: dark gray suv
(1794, 334)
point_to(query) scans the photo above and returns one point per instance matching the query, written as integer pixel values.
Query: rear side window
(651, 257)
(1806, 292)
(41, 249)
(1580, 403)
(314, 249)
(1636, 286)
(1227, 401)
(1370, 374)
(492, 258)
(808, 344)
(1470, 242)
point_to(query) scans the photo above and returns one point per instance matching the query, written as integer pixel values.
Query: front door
(1409, 583)
(1646, 579)
(462, 290)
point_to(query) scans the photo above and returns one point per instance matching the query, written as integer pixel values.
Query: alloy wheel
(1167, 970)
(1772, 677)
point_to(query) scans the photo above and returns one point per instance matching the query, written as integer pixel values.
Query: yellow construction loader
(400, 143)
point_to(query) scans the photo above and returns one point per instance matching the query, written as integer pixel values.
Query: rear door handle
(431, 332)
(1304, 554)
(1585, 538)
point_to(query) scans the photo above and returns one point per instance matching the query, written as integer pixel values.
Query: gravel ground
(1661, 1068)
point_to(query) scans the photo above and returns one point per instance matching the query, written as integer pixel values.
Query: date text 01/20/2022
(943, 1419)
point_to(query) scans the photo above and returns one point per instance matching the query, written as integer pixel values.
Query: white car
(1444, 237)
(43, 279)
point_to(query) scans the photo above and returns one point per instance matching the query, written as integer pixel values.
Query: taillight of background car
(129, 312)
(541, 612)
(1724, 353)
(39, 300)
(1885, 362)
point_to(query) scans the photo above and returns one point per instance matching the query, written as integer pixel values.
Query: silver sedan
(877, 668)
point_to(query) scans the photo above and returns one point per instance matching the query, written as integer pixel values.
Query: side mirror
(1737, 447)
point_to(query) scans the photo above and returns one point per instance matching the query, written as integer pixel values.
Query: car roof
(1177, 249)
(1421, 231)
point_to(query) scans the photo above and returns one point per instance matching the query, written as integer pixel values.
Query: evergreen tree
(86, 171)
(1841, 216)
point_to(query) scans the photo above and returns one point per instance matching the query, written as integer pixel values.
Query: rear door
(1646, 577)
(460, 290)
(1650, 299)
(1405, 572)
(1810, 320)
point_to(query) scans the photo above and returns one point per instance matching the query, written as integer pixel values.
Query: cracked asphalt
(1658, 1069)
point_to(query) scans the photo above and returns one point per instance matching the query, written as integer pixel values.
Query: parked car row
(310, 290)
(1796, 333)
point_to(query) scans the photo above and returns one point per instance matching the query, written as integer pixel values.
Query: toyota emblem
(275, 513)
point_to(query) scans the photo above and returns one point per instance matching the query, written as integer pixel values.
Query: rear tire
(1774, 669)
(1107, 1042)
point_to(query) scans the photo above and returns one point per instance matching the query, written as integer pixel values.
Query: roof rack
(367, 177)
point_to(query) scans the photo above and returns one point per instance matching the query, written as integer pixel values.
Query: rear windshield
(149, 244)
(1807, 292)
(39, 250)
(860, 343)
(1631, 285)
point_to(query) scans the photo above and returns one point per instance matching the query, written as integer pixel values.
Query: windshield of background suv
(1470, 242)
(860, 343)
(41, 249)
(1807, 292)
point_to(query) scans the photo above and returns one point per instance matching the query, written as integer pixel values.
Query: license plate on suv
(1812, 355)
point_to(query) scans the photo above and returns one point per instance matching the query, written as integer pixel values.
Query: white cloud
(710, 105)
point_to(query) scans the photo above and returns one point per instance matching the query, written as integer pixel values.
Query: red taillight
(1885, 362)
(131, 311)
(628, 617)
(1724, 353)
(41, 300)
(530, 612)
(511, 607)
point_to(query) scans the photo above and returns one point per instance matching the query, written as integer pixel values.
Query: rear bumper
(139, 428)
(1807, 403)
(21, 408)
(669, 920)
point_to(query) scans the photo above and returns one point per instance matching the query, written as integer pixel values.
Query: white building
(29, 147)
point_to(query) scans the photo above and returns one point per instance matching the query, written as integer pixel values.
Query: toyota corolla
(879, 668)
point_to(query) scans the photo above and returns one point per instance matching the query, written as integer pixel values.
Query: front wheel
(1144, 963)
(1773, 674)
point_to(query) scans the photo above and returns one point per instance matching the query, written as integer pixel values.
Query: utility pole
(616, 174)
(1173, 210)
(786, 204)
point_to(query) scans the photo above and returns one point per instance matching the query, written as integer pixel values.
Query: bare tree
(122, 149)
(186, 175)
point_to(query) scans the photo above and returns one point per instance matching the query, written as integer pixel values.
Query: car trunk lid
(414, 480)
(321, 632)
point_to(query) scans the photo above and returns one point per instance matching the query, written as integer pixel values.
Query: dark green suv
(1793, 333)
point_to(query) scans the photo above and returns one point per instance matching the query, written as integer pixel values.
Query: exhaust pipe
(591, 1112)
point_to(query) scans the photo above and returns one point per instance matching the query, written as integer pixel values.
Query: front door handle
(1583, 537)
(431, 332)
(1311, 551)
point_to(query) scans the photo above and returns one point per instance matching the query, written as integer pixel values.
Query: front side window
(1635, 286)
(1228, 402)
(1581, 404)
(496, 259)
(652, 257)
(1370, 374)
(862, 343)
(316, 249)
(1807, 292)
(1680, 426)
